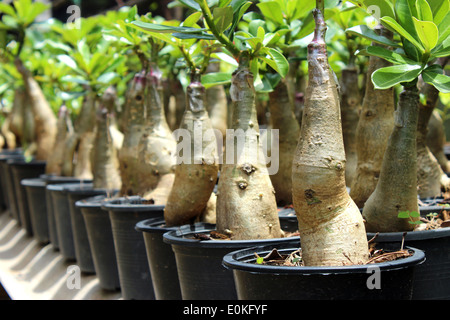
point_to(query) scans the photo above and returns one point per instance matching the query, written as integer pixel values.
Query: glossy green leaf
(395, 26)
(438, 80)
(439, 8)
(428, 33)
(192, 19)
(404, 11)
(160, 28)
(370, 34)
(388, 77)
(386, 54)
(238, 12)
(272, 10)
(278, 62)
(444, 28)
(68, 61)
(424, 12)
(442, 50)
(297, 9)
(223, 18)
(216, 78)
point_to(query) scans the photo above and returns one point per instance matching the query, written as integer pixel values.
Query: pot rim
(91, 202)
(33, 182)
(176, 237)
(230, 261)
(126, 205)
(152, 226)
(68, 179)
(17, 162)
(72, 186)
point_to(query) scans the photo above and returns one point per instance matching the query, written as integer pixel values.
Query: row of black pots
(197, 269)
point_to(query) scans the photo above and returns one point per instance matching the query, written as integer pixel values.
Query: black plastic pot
(134, 272)
(53, 180)
(199, 262)
(161, 259)
(432, 281)
(99, 231)
(5, 153)
(35, 190)
(288, 219)
(9, 194)
(63, 220)
(268, 282)
(23, 169)
(74, 193)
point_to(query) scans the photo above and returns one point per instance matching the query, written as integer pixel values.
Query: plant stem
(219, 35)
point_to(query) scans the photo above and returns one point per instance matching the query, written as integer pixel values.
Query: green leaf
(424, 12)
(366, 32)
(223, 18)
(442, 50)
(160, 28)
(205, 36)
(215, 78)
(107, 78)
(438, 80)
(278, 62)
(272, 11)
(404, 11)
(444, 28)
(395, 26)
(403, 214)
(389, 55)
(439, 8)
(68, 61)
(191, 4)
(414, 214)
(297, 9)
(388, 77)
(238, 12)
(192, 19)
(428, 33)
(8, 9)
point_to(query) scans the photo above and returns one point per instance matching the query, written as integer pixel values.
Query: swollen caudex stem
(436, 140)
(105, 164)
(430, 176)
(64, 128)
(331, 227)
(246, 205)
(134, 127)
(350, 109)
(375, 125)
(197, 168)
(396, 190)
(44, 117)
(284, 120)
(157, 145)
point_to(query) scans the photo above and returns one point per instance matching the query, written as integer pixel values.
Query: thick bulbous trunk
(331, 227)
(396, 190)
(246, 204)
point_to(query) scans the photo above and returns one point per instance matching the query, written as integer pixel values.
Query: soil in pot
(23, 169)
(134, 273)
(161, 259)
(99, 232)
(199, 251)
(35, 191)
(271, 280)
(432, 280)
